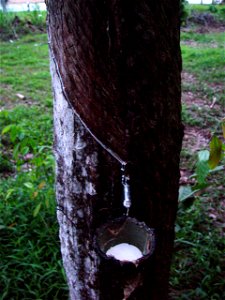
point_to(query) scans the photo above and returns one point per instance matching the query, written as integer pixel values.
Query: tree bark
(116, 75)
(3, 3)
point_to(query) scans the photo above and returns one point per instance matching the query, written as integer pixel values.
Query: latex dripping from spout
(126, 190)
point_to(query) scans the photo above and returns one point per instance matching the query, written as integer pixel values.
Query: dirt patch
(9, 100)
(193, 27)
(203, 104)
(205, 20)
(195, 138)
(217, 87)
(195, 44)
(201, 110)
(188, 77)
(15, 28)
(207, 29)
(189, 98)
(218, 216)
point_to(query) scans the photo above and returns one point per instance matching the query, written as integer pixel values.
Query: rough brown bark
(117, 64)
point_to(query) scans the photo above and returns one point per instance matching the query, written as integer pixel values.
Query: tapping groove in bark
(101, 49)
(119, 64)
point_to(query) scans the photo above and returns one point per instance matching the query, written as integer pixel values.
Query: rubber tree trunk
(115, 69)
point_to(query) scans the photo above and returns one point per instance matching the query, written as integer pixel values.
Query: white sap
(124, 252)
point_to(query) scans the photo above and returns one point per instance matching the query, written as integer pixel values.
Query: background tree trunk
(117, 65)
(3, 3)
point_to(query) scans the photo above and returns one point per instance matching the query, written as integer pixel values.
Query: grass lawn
(198, 270)
(30, 265)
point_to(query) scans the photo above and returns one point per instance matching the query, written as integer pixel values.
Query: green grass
(198, 268)
(15, 24)
(203, 56)
(203, 7)
(28, 58)
(217, 10)
(206, 63)
(204, 38)
(30, 266)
